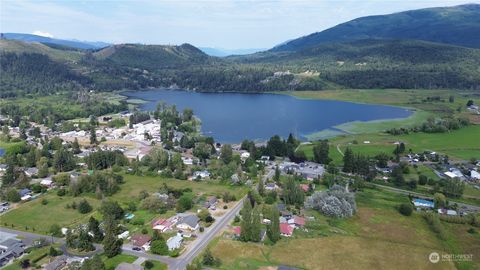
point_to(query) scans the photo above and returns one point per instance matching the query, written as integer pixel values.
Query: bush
(84, 207)
(12, 195)
(422, 180)
(148, 265)
(55, 230)
(209, 219)
(44, 201)
(225, 207)
(406, 209)
(472, 231)
(138, 221)
(61, 192)
(159, 247)
(144, 231)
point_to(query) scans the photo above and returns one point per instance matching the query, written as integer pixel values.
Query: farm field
(378, 235)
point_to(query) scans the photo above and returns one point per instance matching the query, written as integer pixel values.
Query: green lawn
(460, 144)
(157, 266)
(111, 263)
(33, 215)
(34, 254)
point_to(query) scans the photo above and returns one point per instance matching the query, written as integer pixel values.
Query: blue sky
(230, 24)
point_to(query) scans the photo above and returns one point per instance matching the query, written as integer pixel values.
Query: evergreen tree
(76, 147)
(276, 177)
(348, 160)
(93, 135)
(261, 187)
(320, 152)
(94, 227)
(246, 223)
(9, 177)
(111, 245)
(256, 225)
(273, 229)
(95, 263)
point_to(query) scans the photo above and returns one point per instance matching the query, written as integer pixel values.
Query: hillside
(459, 25)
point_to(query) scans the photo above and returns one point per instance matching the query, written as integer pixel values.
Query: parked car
(137, 249)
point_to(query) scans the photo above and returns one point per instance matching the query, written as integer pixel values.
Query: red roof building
(285, 229)
(237, 230)
(299, 221)
(304, 187)
(140, 240)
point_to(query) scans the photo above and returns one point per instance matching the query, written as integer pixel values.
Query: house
(31, 171)
(174, 242)
(298, 221)
(162, 224)
(3, 167)
(286, 230)
(474, 175)
(187, 161)
(447, 212)
(271, 186)
(282, 220)
(58, 263)
(10, 248)
(211, 202)
(244, 156)
(123, 235)
(128, 266)
(189, 223)
(46, 182)
(423, 203)
(201, 174)
(235, 179)
(25, 194)
(141, 240)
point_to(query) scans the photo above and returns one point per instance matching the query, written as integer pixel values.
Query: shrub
(61, 192)
(406, 209)
(422, 180)
(44, 201)
(472, 231)
(148, 265)
(144, 231)
(159, 247)
(84, 207)
(55, 230)
(225, 207)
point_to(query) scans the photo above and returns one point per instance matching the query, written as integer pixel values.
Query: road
(202, 241)
(468, 207)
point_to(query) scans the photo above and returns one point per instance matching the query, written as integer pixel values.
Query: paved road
(202, 241)
(465, 206)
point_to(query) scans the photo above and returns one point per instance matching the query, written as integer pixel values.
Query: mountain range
(428, 48)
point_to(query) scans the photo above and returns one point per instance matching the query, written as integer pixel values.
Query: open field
(34, 215)
(111, 263)
(377, 237)
(459, 144)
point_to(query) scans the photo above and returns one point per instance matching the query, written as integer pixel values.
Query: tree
(76, 147)
(63, 160)
(439, 200)
(185, 202)
(52, 252)
(451, 99)
(261, 187)
(85, 241)
(111, 244)
(348, 160)
(335, 202)
(397, 174)
(422, 179)
(320, 152)
(111, 209)
(13, 195)
(159, 247)
(405, 209)
(453, 188)
(95, 263)
(276, 176)
(94, 228)
(273, 229)
(226, 153)
(470, 103)
(84, 207)
(292, 194)
(9, 177)
(55, 230)
(209, 260)
(93, 135)
(246, 223)
(148, 264)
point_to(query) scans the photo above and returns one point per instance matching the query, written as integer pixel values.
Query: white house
(202, 174)
(475, 175)
(174, 242)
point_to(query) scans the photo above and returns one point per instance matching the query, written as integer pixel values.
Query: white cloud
(43, 34)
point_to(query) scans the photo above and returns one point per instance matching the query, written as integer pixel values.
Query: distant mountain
(458, 25)
(54, 41)
(227, 52)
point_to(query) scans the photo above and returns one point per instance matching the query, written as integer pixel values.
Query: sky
(229, 24)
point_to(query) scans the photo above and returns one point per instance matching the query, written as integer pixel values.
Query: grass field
(459, 144)
(34, 215)
(377, 237)
(158, 266)
(111, 263)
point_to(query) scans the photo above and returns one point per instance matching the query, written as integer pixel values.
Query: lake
(233, 117)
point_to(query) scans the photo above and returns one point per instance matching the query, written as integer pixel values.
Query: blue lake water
(232, 117)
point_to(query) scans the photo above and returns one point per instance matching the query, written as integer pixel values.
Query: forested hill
(458, 25)
(37, 68)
